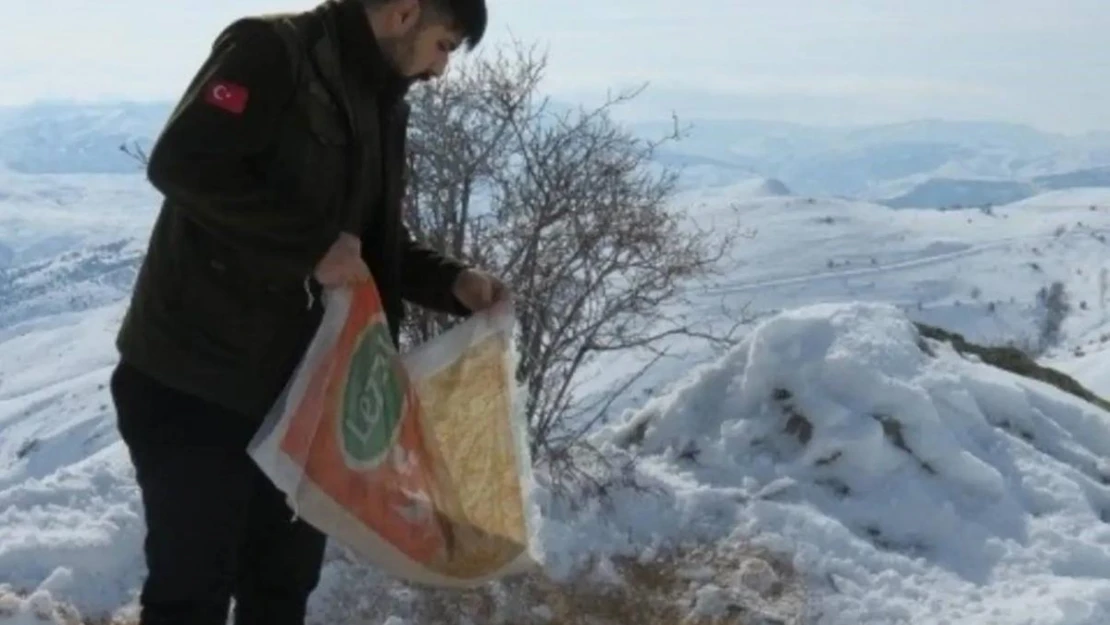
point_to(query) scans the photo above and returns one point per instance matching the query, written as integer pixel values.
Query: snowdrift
(907, 483)
(902, 481)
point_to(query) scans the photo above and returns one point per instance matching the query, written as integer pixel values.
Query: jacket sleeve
(212, 158)
(428, 277)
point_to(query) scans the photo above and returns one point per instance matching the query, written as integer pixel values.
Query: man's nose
(439, 67)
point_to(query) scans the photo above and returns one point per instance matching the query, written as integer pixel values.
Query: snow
(1066, 198)
(751, 188)
(36, 609)
(45, 215)
(69, 508)
(910, 488)
(1093, 369)
(968, 271)
(906, 487)
(904, 482)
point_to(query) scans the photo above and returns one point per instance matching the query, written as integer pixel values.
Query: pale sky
(1041, 62)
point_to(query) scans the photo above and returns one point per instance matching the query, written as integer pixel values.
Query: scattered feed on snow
(692, 584)
(37, 608)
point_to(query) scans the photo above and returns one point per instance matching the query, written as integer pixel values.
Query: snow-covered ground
(904, 486)
(969, 271)
(910, 485)
(938, 263)
(42, 216)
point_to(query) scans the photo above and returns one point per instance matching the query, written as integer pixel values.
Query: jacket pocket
(326, 122)
(312, 160)
(221, 315)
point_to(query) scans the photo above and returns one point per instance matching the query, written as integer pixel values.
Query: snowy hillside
(901, 482)
(976, 272)
(67, 138)
(68, 243)
(44, 215)
(69, 511)
(955, 193)
(832, 438)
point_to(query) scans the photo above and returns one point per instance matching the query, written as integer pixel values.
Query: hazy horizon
(862, 62)
(650, 112)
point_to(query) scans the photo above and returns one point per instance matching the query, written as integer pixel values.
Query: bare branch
(136, 152)
(575, 213)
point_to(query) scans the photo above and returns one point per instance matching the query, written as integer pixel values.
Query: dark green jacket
(292, 132)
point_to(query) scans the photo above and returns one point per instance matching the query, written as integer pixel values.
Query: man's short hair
(469, 17)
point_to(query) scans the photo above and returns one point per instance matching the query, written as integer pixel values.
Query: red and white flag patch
(227, 95)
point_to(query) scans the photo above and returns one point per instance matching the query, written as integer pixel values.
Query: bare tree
(459, 137)
(135, 152)
(1055, 306)
(576, 213)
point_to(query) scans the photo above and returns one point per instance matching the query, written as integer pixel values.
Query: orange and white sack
(417, 463)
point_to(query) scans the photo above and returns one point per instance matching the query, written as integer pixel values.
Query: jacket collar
(362, 55)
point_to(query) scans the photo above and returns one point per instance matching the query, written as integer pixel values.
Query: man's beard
(399, 54)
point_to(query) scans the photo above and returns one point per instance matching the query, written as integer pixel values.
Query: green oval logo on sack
(373, 401)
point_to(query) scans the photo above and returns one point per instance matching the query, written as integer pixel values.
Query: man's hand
(343, 263)
(478, 290)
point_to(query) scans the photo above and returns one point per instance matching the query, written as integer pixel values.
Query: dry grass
(665, 592)
(694, 585)
(690, 586)
(19, 604)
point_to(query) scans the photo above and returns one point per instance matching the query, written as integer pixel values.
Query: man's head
(418, 36)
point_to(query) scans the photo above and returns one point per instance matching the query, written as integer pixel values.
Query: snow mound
(39, 608)
(907, 483)
(70, 513)
(76, 533)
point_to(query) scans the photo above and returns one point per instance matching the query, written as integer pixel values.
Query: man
(282, 170)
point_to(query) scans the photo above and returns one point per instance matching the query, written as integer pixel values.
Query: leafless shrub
(574, 212)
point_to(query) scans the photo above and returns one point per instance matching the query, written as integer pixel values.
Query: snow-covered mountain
(930, 163)
(959, 193)
(885, 162)
(69, 138)
(955, 193)
(974, 271)
(899, 480)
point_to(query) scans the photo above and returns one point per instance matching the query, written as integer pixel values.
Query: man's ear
(405, 13)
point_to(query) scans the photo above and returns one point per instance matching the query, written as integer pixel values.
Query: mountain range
(925, 163)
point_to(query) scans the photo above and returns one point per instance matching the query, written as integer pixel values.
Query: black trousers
(217, 528)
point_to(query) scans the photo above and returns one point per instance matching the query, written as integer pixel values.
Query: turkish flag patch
(227, 95)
